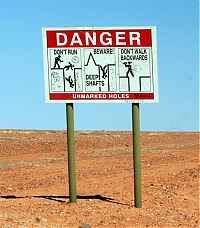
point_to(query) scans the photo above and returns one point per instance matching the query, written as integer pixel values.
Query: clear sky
(22, 96)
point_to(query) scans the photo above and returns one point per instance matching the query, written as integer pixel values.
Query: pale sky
(22, 91)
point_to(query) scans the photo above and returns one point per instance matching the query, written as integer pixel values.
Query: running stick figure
(57, 60)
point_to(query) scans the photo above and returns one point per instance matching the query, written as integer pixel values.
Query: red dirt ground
(34, 180)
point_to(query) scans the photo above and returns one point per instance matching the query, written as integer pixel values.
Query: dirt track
(34, 182)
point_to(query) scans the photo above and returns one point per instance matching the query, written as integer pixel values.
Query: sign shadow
(63, 199)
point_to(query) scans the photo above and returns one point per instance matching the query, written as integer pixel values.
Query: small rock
(84, 226)
(40, 220)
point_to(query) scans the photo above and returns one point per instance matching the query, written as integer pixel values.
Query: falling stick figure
(57, 60)
(70, 80)
(104, 71)
(70, 66)
(129, 71)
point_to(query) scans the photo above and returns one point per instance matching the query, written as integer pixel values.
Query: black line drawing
(104, 71)
(136, 75)
(56, 62)
(75, 59)
(144, 77)
(78, 79)
(69, 72)
(101, 69)
(127, 78)
(70, 66)
(129, 66)
(70, 80)
(129, 71)
(56, 80)
(56, 77)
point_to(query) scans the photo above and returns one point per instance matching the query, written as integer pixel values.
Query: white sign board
(110, 64)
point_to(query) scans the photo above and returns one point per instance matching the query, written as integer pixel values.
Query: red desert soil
(34, 180)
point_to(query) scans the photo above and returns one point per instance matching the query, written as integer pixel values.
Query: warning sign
(100, 64)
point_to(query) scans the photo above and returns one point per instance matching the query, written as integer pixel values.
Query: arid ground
(34, 180)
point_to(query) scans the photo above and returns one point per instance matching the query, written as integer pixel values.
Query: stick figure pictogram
(129, 70)
(56, 62)
(70, 66)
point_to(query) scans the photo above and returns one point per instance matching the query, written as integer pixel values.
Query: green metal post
(136, 155)
(71, 153)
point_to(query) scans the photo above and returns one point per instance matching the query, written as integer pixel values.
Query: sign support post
(71, 153)
(136, 155)
(101, 65)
